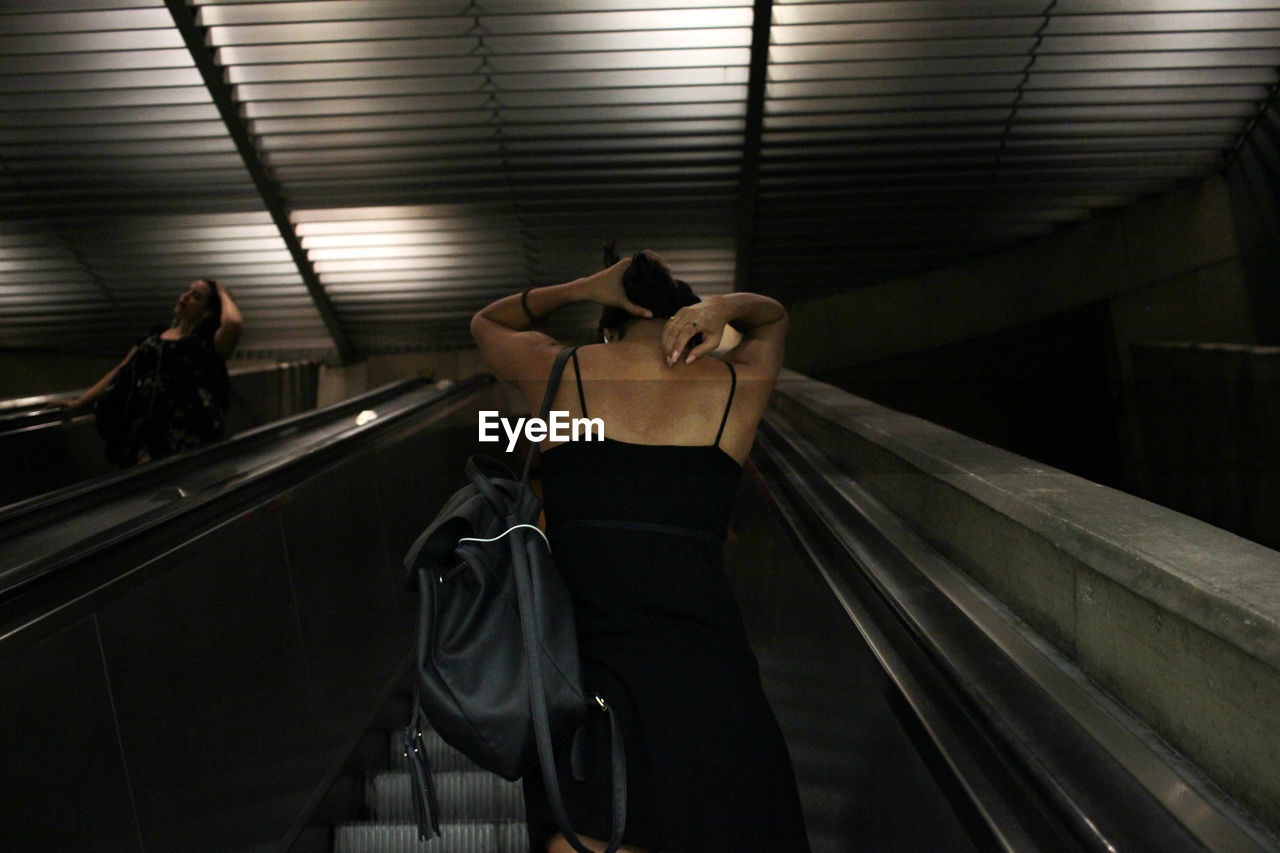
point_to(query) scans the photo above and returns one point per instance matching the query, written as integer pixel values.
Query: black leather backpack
(498, 673)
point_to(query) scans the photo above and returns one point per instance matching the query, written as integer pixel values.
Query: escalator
(210, 654)
(190, 650)
(921, 715)
(42, 450)
(862, 781)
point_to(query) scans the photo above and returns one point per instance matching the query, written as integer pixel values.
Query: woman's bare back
(641, 400)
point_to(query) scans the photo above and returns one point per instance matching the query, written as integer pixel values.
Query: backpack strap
(521, 570)
(553, 382)
(531, 631)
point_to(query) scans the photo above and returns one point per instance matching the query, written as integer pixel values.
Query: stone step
(463, 795)
(459, 837)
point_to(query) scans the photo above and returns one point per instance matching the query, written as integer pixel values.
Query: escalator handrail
(61, 502)
(14, 578)
(34, 418)
(22, 413)
(33, 402)
(1145, 794)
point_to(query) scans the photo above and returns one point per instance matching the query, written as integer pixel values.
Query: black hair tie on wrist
(524, 303)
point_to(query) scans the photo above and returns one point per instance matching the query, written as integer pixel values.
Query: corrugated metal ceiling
(364, 175)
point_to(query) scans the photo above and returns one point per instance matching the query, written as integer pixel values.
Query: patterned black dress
(171, 396)
(638, 532)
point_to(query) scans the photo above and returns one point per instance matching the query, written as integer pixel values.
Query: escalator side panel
(64, 783)
(49, 456)
(352, 610)
(1042, 756)
(210, 680)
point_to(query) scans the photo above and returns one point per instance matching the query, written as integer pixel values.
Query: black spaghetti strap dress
(638, 531)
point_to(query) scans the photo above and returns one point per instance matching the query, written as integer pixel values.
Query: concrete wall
(1177, 619)
(1253, 174)
(1042, 390)
(339, 382)
(1209, 421)
(1169, 268)
(1030, 349)
(34, 375)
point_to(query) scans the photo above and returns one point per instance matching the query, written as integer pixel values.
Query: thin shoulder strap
(553, 382)
(733, 386)
(577, 373)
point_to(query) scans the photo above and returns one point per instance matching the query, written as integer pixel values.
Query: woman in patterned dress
(170, 393)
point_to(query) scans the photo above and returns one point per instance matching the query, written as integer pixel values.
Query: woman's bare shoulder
(623, 361)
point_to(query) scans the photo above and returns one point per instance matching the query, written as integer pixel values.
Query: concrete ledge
(1178, 619)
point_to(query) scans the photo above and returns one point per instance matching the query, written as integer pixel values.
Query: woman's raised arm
(71, 407)
(502, 328)
(761, 320)
(228, 333)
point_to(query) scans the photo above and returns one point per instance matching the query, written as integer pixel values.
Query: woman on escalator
(170, 393)
(637, 523)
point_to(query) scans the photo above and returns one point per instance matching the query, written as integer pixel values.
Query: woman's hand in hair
(605, 288)
(706, 318)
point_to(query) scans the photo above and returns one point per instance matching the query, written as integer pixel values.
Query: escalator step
(464, 795)
(479, 837)
(440, 755)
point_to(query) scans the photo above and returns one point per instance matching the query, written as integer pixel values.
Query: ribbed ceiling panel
(120, 180)
(899, 136)
(437, 156)
(105, 113)
(147, 261)
(46, 292)
(430, 156)
(410, 277)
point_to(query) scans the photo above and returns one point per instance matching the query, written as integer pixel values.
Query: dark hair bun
(649, 284)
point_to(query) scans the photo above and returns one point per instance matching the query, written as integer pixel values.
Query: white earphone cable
(532, 527)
